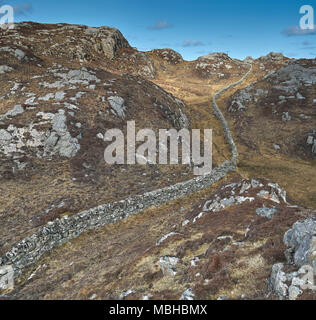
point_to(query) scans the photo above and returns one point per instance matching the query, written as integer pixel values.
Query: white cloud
(192, 43)
(160, 25)
(297, 31)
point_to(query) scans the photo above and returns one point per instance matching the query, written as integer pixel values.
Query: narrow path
(61, 231)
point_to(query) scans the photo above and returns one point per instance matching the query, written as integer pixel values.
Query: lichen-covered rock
(188, 295)
(272, 56)
(118, 105)
(4, 69)
(301, 242)
(17, 53)
(266, 212)
(170, 56)
(58, 140)
(245, 96)
(278, 281)
(90, 42)
(301, 252)
(168, 265)
(311, 142)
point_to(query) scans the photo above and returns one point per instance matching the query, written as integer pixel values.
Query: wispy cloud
(297, 31)
(192, 43)
(23, 8)
(160, 25)
(20, 9)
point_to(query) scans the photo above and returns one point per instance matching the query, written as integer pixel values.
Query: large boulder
(301, 253)
(301, 243)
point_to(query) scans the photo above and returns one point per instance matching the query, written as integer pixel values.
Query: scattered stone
(222, 298)
(305, 117)
(126, 294)
(310, 140)
(165, 237)
(286, 116)
(184, 223)
(265, 212)
(188, 295)
(276, 147)
(278, 281)
(168, 265)
(18, 109)
(5, 69)
(294, 292)
(117, 104)
(100, 136)
(301, 241)
(194, 261)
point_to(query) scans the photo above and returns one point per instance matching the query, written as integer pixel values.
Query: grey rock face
(5, 69)
(18, 109)
(310, 140)
(169, 55)
(266, 212)
(102, 41)
(214, 55)
(117, 104)
(301, 241)
(4, 135)
(286, 117)
(314, 148)
(43, 143)
(272, 56)
(294, 292)
(188, 295)
(249, 59)
(125, 294)
(293, 76)
(277, 281)
(110, 42)
(245, 96)
(168, 265)
(17, 53)
(276, 147)
(67, 146)
(165, 237)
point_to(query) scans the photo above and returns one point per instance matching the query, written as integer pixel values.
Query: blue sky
(194, 28)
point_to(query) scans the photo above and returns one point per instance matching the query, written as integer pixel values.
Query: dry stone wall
(60, 231)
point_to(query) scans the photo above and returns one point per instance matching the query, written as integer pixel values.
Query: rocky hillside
(56, 103)
(287, 99)
(222, 243)
(273, 120)
(63, 86)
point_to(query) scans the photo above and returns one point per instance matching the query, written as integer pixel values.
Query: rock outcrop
(170, 56)
(218, 65)
(301, 254)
